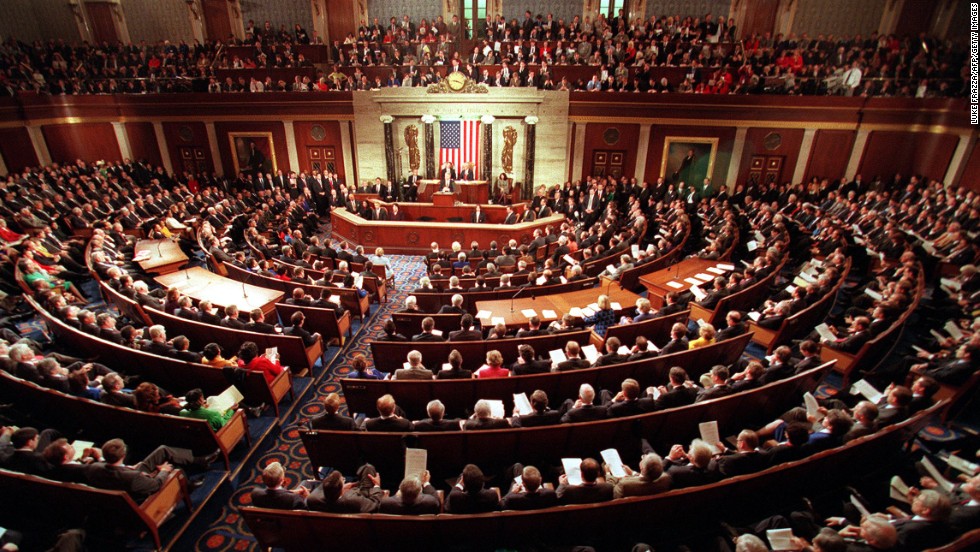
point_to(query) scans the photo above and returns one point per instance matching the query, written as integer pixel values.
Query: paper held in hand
(944, 483)
(709, 432)
(698, 294)
(898, 490)
(272, 353)
(573, 470)
(868, 390)
(811, 406)
(415, 462)
(780, 539)
(227, 399)
(825, 333)
(496, 408)
(522, 405)
(590, 352)
(80, 446)
(953, 330)
(557, 356)
(615, 463)
(860, 506)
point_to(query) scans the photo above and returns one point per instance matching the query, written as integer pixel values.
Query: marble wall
(838, 17)
(158, 20)
(508, 106)
(280, 12)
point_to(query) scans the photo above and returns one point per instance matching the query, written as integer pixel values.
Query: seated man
(258, 323)
(335, 496)
(415, 497)
(428, 325)
(627, 402)
(197, 408)
(693, 468)
(526, 363)
(573, 359)
(746, 458)
(298, 319)
(529, 494)
(436, 420)
(146, 477)
(541, 415)
(466, 331)
(679, 391)
(482, 418)
(650, 480)
(387, 420)
(591, 490)
(469, 496)
(678, 340)
(612, 355)
(331, 419)
(415, 369)
(274, 496)
(583, 409)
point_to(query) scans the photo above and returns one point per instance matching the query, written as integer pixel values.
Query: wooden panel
(760, 17)
(830, 153)
(88, 141)
(278, 139)
(658, 135)
(971, 174)
(216, 21)
(143, 142)
(340, 20)
(611, 137)
(17, 149)
(304, 134)
(907, 153)
(181, 136)
(101, 18)
(755, 145)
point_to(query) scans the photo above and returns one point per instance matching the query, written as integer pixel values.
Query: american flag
(459, 143)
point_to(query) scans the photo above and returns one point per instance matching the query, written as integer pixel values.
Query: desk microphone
(512, 297)
(159, 254)
(247, 276)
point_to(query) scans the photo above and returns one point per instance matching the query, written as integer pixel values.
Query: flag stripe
(459, 143)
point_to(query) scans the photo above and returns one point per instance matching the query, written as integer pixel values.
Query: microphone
(247, 276)
(512, 297)
(159, 254)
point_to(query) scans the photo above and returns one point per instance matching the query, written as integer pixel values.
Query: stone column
(531, 122)
(40, 146)
(291, 146)
(219, 166)
(430, 147)
(958, 163)
(642, 151)
(486, 170)
(123, 140)
(854, 163)
(389, 147)
(196, 15)
(736, 160)
(806, 148)
(164, 150)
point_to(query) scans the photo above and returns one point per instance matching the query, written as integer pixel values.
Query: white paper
(623, 350)
(701, 323)
(944, 483)
(825, 333)
(611, 269)
(557, 356)
(563, 279)
(484, 314)
(616, 306)
(593, 306)
(496, 408)
(655, 392)
(548, 314)
(780, 539)
(709, 432)
(715, 270)
(406, 365)
(704, 277)
(799, 282)
(726, 266)
(873, 294)
(962, 465)
(755, 316)
(272, 353)
(227, 399)
(811, 406)
(522, 404)
(951, 284)
(576, 312)
(528, 312)
(868, 390)
(497, 320)
(790, 289)
(415, 462)
(693, 281)
(615, 463)
(675, 285)
(752, 245)
(569, 259)
(446, 366)
(860, 507)
(587, 312)
(80, 447)
(759, 236)
(540, 280)
(920, 349)
(635, 250)
(807, 278)
(573, 470)
(589, 352)
(937, 335)
(436, 332)
(953, 330)
(698, 294)
(335, 299)
(898, 490)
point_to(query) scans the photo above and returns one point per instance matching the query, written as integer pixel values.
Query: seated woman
(249, 358)
(603, 318)
(706, 337)
(494, 368)
(149, 399)
(196, 408)
(379, 259)
(360, 370)
(38, 279)
(212, 357)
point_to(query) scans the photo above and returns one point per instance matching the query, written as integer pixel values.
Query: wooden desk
(165, 256)
(560, 303)
(199, 284)
(472, 191)
(656, 282)
(412, 236)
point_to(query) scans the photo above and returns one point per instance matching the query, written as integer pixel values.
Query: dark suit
(585, 413)
(689, 475)
(533, 367)
(387, 424)
(466, 335)
(462, 502)
(522, 501)
(585, 494)
(333, 422)
(740, 463)
(674, 346)
(426, 503)
(480, 424)
(572, 364)
(431, 426)
(426, 337)
(277, 499)
(676, 396)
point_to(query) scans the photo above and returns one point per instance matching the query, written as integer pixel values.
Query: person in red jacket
(249, 358)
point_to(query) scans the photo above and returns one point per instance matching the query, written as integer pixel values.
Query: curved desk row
(413, 235)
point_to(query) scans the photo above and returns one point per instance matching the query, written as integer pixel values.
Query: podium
(467, 191)
(443, 199)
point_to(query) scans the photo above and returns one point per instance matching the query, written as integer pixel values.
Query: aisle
(225, 529)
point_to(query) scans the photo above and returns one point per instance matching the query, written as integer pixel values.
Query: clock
(456, 81)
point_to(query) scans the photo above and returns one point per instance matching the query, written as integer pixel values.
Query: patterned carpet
(225, 529)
